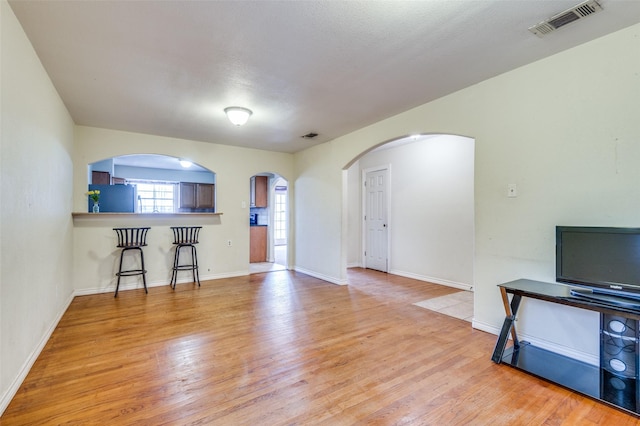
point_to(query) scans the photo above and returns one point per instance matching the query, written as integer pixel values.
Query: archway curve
(350, 199)
(154, 182)
(406, 138)
(154, 161)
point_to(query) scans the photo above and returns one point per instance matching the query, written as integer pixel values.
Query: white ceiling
(169, 68)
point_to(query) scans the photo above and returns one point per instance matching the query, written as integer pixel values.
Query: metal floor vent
(561, 19)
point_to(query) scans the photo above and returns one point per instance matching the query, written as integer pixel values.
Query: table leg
(508, 326)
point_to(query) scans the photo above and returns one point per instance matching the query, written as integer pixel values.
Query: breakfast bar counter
(97, 256)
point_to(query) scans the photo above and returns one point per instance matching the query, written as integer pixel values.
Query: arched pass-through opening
(152, 183)
(428, 209)
(269, 223)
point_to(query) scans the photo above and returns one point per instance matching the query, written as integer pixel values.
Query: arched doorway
(268, 221)
(430, 223)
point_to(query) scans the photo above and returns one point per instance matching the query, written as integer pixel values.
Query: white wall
(431, 208)
(35, 206)
(320, 249)
(354, 216)
(95, 255)
(564, 129)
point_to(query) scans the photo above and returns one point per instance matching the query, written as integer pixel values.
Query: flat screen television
(607, 260)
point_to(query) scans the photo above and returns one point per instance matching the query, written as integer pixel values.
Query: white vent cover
(580, 11)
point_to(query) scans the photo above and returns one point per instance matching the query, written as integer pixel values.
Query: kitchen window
(156, 197)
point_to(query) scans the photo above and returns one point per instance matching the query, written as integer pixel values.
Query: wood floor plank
(283, 348)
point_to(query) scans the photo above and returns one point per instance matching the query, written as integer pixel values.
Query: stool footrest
(131, 272)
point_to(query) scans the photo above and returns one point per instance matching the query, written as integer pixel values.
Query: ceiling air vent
(310, 135)
(561, 19)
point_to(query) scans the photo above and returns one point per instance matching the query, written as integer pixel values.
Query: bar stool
(185, 236)
(131, 239)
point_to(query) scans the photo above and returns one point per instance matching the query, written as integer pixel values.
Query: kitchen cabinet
(205, 196)
(187, 195)
(258, 244)
(197, 195)
(100, 178)
(259, 191)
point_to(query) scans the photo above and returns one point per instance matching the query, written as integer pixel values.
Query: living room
(564, 129)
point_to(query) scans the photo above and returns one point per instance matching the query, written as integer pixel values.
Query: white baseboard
(138, 285)
(433, 280)
(593, 359)
(320, 276)
(485, 327)
(26, 367)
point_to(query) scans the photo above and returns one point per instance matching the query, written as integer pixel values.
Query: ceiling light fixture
(238, 115)
(186, 163)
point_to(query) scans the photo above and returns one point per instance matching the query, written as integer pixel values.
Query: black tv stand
(616, 381)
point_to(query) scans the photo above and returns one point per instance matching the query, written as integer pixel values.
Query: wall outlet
(229, 243)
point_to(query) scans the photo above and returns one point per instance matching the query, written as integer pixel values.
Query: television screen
(599, 257)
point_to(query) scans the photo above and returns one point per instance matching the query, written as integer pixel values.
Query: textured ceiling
(169, 68)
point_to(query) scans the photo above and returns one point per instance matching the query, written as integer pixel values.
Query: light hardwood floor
(283, 349)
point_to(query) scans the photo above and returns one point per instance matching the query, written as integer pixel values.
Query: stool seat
(185, 236)
(131, 239)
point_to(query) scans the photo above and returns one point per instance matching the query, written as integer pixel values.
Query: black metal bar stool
(185, 236)
(132, 239)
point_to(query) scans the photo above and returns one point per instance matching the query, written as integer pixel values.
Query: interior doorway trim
(363, 222)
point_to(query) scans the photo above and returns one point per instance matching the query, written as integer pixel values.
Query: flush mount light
(238, 115)
(186, 163)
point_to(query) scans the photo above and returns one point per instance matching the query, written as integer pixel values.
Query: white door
(376, 220)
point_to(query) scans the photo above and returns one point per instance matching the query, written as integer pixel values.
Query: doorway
(376, 219)
(429, 205)
(268, 223)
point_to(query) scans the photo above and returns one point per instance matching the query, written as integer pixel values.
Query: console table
(615, 381)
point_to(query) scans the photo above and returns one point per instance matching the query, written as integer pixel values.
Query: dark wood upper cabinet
(261, 191)
(197, 195)
(100, 178)
(205, 196)
(187, 195)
